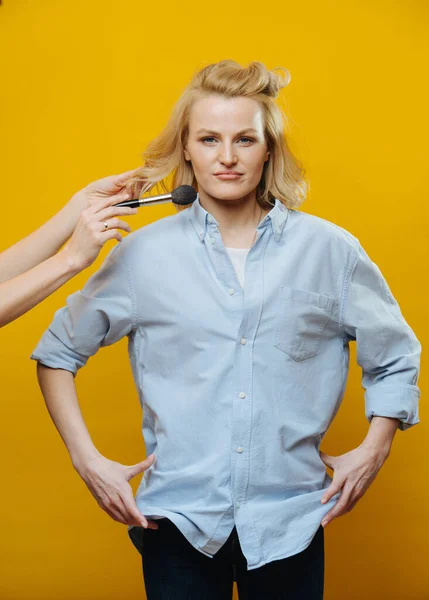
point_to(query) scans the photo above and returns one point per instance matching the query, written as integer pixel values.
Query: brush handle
(130, 203)
(160, 199)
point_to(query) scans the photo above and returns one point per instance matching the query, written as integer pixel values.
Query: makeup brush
(182, 195)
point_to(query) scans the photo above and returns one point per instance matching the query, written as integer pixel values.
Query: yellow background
(84, 86)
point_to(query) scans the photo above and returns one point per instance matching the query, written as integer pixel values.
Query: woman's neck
(237, 219)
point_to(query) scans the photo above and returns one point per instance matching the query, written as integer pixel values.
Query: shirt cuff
(53, 353)
(394, 401)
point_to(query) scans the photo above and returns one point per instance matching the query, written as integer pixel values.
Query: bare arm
(44, 242)
(51, 236)
(21, 293)
(32, 280)
(107, 480)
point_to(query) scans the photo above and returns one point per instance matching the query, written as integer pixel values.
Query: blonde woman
(239, 311)
(33, 268)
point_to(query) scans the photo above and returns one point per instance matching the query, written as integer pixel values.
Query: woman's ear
(267, 155)
(186, 153)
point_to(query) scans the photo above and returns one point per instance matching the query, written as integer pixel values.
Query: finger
(110, 234)
(117, 516)
(112, 184)
(140, 467)
(114, 211)
(152, 525)
(340, 507)
(354, 500)
(114, 511)
(327, 459)
(333, 489)
(136, 185)
(134, 516)
(352, 505)
(110, 200)
(122, 179)
(115, 224)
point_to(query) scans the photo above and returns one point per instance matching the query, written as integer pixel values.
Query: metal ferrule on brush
(160, 199)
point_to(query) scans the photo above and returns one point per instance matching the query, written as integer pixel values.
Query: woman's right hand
(107, 481)
(96, 225)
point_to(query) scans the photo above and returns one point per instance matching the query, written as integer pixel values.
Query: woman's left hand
(353, 474)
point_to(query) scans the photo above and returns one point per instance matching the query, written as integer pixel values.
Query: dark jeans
(174, 570)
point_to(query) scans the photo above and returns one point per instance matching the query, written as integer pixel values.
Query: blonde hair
(283, 174)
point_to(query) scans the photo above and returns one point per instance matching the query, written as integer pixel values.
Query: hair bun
(228, 77)
(278, 81)
(266, 81)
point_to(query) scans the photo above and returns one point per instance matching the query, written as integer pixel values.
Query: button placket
(221, 260)
(243, 369)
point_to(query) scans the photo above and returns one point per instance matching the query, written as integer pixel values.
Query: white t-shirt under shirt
(238, 258)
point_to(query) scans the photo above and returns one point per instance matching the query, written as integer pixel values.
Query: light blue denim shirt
(238, 386)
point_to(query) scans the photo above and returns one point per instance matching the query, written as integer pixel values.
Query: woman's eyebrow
(217, 133)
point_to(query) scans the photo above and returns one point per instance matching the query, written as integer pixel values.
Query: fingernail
(324, 523)
(323, 500)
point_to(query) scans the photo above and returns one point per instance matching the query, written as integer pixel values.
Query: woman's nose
(227, 155)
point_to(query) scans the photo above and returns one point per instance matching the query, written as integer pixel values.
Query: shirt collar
(201, 219)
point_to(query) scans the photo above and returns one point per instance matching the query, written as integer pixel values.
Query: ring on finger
(106, 225)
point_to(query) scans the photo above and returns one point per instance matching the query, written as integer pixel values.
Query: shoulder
(159, 233)
(326, 231)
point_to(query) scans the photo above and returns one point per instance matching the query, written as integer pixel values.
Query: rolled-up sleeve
(387, 349)
(99, 315)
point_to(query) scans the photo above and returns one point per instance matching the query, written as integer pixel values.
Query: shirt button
(239, 449)
(212, 240)
(237, 504)
(201, 234)
(242, 395)
(231, 291)
(243, 341)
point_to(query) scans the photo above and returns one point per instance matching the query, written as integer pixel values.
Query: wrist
(68, 216)
(78, 203)
(380, 436)
(82, 460)
(70, 261)
(380, 450)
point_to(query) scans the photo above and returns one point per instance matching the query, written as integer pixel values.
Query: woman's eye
(208, 139)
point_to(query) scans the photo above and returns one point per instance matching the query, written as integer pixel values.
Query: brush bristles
(184, 194)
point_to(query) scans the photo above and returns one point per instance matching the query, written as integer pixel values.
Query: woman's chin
(226, 193)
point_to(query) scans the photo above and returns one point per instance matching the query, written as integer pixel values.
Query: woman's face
(227, 135)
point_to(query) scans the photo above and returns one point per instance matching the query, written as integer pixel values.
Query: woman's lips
(227, 176)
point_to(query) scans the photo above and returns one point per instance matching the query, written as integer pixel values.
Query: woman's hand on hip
(353, 474)
(107, 481)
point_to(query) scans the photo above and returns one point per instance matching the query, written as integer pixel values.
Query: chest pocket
(303, 317)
